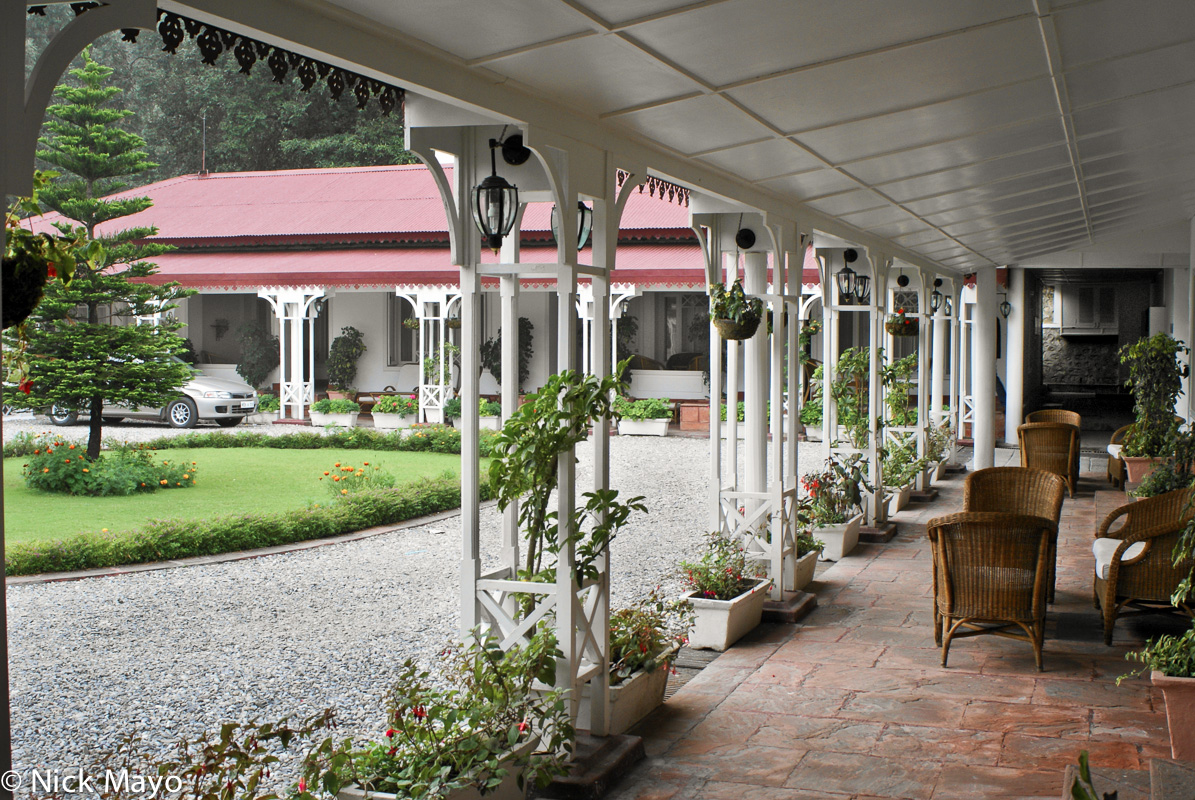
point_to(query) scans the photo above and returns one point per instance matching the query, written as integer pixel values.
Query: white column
(875, 391)
(983, 368)
(938, 361)
(1014, 355)
(509, 387)
(732, 388)
(755, 382)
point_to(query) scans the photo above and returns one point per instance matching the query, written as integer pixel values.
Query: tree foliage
(92, 340)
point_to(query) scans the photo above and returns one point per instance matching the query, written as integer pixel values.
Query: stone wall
(1078, 362)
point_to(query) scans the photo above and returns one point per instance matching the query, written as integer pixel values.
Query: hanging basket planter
(900, 325)
(453, 323)
(729, 329)
(24, 282)
(411, 324)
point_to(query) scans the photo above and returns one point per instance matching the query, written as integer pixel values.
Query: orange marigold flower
(367, 463)
(325, 472)
(344, 491)
(47, 469)
(164, 482)
(85, 469)
(337, 464)
(336, 477)
(72, 447)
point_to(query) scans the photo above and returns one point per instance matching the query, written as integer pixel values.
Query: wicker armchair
(1055, 415)
(1115, 464)
(1016, 490)
(1134, 566)
(1053, 447)
(991, 572)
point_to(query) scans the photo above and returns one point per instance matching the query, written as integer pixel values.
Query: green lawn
(231, 481)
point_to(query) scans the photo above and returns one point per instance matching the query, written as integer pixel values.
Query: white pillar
(880, 264)
(1014, 355)
(509, 387)
(938, 363)
(755, 382)
(732, 388)
(983, 368)
(295, 309)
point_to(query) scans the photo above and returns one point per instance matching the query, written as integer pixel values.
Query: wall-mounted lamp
(936, 297)
(846, 277)
(584, 224)
(495, 203)
(862, 288)
(1005, 309)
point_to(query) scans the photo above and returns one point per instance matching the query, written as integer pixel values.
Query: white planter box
(804, 570)
(319, 420)
(261, 418)
(643, 427)
(902, 497)
(940, 471)
(630, 701)
(718, 624)
(813, 433)
(489, 423)
(507, 790)
(392, 422)
(433, 416)
(840, 539)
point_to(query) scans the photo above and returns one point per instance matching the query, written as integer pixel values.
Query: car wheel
(229, 422)
(62, 416)
(182, 413)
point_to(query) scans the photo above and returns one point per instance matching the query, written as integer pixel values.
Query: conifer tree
(108, 335)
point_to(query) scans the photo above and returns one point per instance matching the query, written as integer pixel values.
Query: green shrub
(162, 540)
(647, 408)
(400, 404)
(328, 406)
(59, 466)
(268, 402)
(490, 409)
(452, 409)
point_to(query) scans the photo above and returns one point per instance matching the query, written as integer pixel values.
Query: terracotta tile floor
(853, 702)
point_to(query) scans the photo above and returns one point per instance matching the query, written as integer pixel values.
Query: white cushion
(1105, 549)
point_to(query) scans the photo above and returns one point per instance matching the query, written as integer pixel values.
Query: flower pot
(940, 471)
(729, 329)
(813, 433)
(1139, 467)
(320, 420)
(336, 394)
(909, 327)
(643, 427)
(433, 416)
(1179, 694)
(630, 701)
(717, 624)
(392, 422)
(803, 571)
(493, 423)
(902, 497)
(840, 538)
(507, 790)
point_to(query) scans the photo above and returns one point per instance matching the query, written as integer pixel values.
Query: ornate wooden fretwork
(212, 42)
(669, 191)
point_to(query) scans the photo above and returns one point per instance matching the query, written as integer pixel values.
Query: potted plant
(395, 411)
(346, 349)
(259, 353)
(901, 466)
(334, 412)
(268, 408)
(726, 595)
(1155, 377)
(836, 503)
(491, 352)
(811, 408)
(489, 415)
(735, 315)
(647, 417)
(900, 325)
(808, 551)
(644, 639)
(452, 409)
(489, 733)
(938, 442)
(850, 393)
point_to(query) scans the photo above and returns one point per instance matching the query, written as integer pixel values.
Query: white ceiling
(970, 132)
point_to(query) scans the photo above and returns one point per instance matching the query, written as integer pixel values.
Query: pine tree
(92, 341)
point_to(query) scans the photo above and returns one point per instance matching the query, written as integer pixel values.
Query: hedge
(163, 540)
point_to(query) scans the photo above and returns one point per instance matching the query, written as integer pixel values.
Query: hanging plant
(453, 323)
(411, 324)
(900, 325)
(735, 315)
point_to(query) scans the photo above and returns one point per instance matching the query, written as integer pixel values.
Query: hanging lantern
(846, 282)
(862, 288)
(936, 297)
(949, 308)
(584, 224)
(495, 204)
(1005, 308)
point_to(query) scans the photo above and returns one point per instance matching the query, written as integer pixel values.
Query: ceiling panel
(1025, 165)
(813, 184)
(903, 227)
(1027, 202)
(1103, 30)
(764, 159)
(623, 11)
(606, 73)
(893, 80)
(742, 39)
(1000, 190)
(695, 125)
(848, 202)
(1138, 74)
(884, 215)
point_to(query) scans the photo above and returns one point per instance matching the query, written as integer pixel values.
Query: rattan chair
(1053, 447)
(1017, 490)
(1055, 415)
(1115, 464)
(991, 572)
(1134, 562)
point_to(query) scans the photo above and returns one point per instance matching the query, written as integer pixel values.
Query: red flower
(419, 712)
(390, 733)
(25, 385)
(302, 785)
(51, 271)
(523, 726)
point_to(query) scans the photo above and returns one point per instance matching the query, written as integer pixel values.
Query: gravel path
(174, 652)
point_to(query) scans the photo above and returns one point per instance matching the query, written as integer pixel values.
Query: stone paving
(853, 702)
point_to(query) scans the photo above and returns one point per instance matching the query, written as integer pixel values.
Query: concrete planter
(643, 427)
(630, 701)
(840, 539)
(902, 497)
(1179, 694)
(392, 422)
(489, 423)
(507, 790)
(433, 416)
(319, 419)
(813, 433)
(717, 624)
(1139, 467)
(940, 471)
(803, 571)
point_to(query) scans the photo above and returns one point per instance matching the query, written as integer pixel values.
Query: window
(401, 340)
(686, 325)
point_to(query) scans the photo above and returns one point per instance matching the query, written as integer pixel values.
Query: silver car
(224, 401)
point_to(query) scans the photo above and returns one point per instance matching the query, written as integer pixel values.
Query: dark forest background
(253, 123)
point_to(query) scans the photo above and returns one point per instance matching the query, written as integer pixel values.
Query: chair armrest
(1101, 531)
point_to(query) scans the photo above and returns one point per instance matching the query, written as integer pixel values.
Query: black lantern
(1005, 308)
(495, 203)
(862, 288)
(584, 224)
(936, 297)
(846, 282)
(949, 308)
